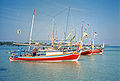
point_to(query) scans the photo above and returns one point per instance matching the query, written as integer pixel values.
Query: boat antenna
(31, 30)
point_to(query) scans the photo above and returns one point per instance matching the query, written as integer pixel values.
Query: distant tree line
(6, 43)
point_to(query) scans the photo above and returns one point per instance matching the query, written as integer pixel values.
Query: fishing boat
(49, 55)
(97, 50)
(86, 52)
(73, 56)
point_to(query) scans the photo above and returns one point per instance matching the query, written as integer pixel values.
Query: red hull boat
(63, 57)
(97, 51)
(52, 56)
(86, 53)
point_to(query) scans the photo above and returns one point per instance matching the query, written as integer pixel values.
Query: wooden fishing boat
(73, 56)
(97, 51)
(87, 52)
(49, 55)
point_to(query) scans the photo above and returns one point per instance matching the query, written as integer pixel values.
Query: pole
(53, 33)
(31, 30)
(67, 22)
(93, 42)
(82, 32)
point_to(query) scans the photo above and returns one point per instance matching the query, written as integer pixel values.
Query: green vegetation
(6, 43)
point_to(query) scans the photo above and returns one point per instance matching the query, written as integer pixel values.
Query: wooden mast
(103, 45)
(31, 30)
(67, 23)
(56, 36)
(53, 33)
(81, 41)
(82, 33)
(93, 41)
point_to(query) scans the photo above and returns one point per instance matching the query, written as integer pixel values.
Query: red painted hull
(69, 57)
(96, 51)
(86, 53)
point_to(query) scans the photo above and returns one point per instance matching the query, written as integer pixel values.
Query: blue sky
(103, 16)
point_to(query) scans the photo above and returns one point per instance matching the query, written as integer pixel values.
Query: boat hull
(97, 51)
(66, 57)
(86, 53)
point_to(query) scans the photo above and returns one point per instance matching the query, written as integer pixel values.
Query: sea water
(89, 68)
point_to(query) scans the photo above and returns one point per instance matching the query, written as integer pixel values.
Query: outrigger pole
(31, 30)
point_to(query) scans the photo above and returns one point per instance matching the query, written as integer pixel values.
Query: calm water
(89, 68)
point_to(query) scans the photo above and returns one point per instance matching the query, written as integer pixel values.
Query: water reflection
(3, 69)
(49, 69)
(86, 57)
(52, 65)
(73, 63)
(88, 68)
(91, 57)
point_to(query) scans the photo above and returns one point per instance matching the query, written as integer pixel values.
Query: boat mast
(81, 36)
(56, 36)
(53, 33)
(103, 46)
(82, 32)
(67, 23)
(68, 35)
(31, 30)
(93, 41)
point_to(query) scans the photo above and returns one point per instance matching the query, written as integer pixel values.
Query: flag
(19, 31)
(95, 33)
(88, 24)
(34, 12)
(85, 29)
(85, 35)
